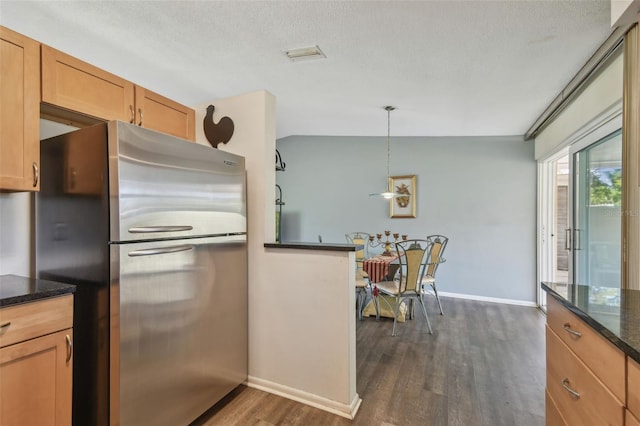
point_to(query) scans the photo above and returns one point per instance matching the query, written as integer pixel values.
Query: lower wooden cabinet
(589, 380)
(581, 398)
(36, 363)
(605, 361)
(36, 381)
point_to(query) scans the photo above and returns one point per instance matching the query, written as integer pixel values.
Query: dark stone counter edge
(629, 350)
(46, 290)
(314, 246)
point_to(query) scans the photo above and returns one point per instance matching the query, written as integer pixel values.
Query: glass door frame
(547, 232)
(596, 135)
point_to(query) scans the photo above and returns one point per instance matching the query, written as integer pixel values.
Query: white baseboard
(489, 299)
(344, 410)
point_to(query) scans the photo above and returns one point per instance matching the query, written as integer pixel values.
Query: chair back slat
(412, 255)
(359, 238)
(434, 258)
(439, 242)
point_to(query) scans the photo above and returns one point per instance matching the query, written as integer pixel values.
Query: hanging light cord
(388, 194)
(389, 109)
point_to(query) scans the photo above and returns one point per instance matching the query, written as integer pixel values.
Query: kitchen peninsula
(313, 296)
(593, 355)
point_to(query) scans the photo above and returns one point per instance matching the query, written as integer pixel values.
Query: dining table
(378, 266)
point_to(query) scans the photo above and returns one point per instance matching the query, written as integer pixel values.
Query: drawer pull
(69, 347)
(5, 325)
(565, 385)
(570, 330)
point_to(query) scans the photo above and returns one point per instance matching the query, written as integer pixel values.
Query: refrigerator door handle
(145, 229)
(160, 250)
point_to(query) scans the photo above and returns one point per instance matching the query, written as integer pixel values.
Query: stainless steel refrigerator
(152, 230)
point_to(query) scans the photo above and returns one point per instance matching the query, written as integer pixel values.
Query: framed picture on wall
(403, 205)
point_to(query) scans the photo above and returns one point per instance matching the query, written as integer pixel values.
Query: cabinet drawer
(633, 387)
(551, 412)
(35, 319)
(605, 360)
(596, 405)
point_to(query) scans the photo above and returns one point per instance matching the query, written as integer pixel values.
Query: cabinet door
(19, 112)
(75, 85)
(633, 387)
(36, 381)
(156, 112)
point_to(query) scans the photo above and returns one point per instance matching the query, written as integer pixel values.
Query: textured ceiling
(450, 67)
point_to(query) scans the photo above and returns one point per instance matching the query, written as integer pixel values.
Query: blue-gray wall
(478, 191)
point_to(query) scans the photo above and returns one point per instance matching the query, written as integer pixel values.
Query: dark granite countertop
(613, 312)
(15, 289)
(314, 246)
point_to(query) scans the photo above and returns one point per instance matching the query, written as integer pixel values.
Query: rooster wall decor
(217, 133)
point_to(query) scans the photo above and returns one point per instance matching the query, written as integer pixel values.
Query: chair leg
(410, 309)
(424, 311)
(376, 305)
(395, 316)
(433, 286)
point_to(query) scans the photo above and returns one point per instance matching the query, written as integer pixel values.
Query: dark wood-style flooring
(483, 365)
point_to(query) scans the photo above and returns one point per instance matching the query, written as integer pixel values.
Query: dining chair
(405, 286)
(363, 283)
(438, 243)
(362, 286)
(359, 238)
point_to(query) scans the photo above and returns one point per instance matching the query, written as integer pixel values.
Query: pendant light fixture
(388, 194)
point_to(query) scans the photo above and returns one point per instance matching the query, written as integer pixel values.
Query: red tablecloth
(378, 267)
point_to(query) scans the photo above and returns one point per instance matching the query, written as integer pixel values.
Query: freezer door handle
(160, 250)
(145, 229)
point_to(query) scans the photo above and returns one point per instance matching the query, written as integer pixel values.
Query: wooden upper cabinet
(75, 85)
(19, 112)
(156, 112)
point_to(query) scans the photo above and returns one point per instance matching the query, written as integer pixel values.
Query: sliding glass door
(594, 239)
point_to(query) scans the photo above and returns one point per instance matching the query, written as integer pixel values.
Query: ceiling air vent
(304, 54)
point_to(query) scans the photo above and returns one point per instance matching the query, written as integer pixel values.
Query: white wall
(624, 12)
(478, 191)
(17, 250)
(301, 302)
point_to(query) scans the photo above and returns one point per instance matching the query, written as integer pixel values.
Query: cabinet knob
(36, 175)
(572, 392)
(69, 348)
(570, 330)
